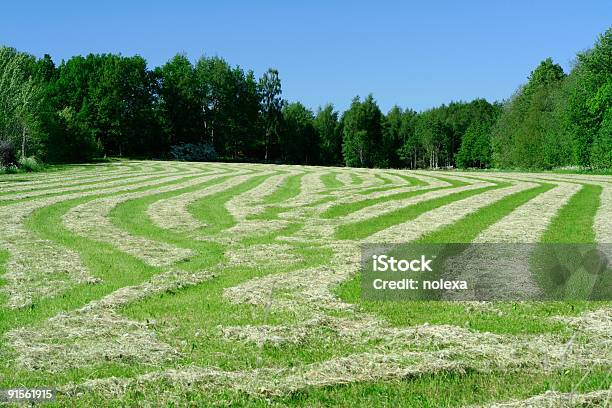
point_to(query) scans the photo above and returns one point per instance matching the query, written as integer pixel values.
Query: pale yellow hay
(444, 215)
(96, 333)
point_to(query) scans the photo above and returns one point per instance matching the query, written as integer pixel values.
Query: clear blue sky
(414, 55)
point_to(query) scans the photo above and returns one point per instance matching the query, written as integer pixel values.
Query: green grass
(466, 229)
(189, 319)
(515, 318)
(330, 181)
(355, 179)
(424, 391)
(211, 210)
(289, 189)
(362, 229)
(343, 209)
(574, 222)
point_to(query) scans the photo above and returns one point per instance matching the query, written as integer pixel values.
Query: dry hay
(307, 294)
(462, 350)
(96, 333)
(173, 213)
(528, 222)
(36, 268)
(246, 203)
(444, 215)
(554, 399)
(40, 268)
(101, 184)
(91, 220)
(392, 205)
(345, 178)
(262, 255)
(603, 218)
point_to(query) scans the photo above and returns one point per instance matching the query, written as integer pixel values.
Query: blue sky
(416, 55)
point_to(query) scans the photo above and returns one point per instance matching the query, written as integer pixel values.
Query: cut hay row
(173, 213)
(96, 333)
(91, 220)
(444, 215)
(250, 202)
(603, 219)
(470, 351)
(96, 181)
(528, 222)
(555, 399)
(78, 175)
(37, 267)
(286, 283)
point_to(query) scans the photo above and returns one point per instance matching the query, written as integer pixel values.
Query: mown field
(167, 283)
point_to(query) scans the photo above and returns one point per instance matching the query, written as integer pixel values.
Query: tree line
(112, 105)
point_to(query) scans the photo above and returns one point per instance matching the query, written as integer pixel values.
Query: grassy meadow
(175, 283)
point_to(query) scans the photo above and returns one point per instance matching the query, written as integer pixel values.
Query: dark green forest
(107, 105)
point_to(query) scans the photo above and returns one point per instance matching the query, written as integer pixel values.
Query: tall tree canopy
(108, 104)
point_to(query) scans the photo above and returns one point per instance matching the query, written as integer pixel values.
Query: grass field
(170, 283)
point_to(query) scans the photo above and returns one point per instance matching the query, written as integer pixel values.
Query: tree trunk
(23, 142)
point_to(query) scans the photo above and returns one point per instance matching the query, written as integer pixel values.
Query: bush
(193, 152)
(8, 154)
(29, 164)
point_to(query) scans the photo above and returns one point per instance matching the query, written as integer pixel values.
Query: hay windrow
(91, 220)
(478, 352)
(37, 268)
(603, 218)
(529, 221)
(97, 334)
(172, 213)
(30, 276)
(444, 215)
(246, 203)
(554, 399)
(262, 256)
(392, 205)
(66, 190)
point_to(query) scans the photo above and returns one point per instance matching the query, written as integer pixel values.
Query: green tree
(179, 103)
(475, 148)
(522, 134)
(271, 109)
(21, 102)
(329, 132)
(362, 134)
(298, 140)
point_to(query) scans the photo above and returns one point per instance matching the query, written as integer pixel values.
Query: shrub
(29, 164)
(193, 152)
(8, 154)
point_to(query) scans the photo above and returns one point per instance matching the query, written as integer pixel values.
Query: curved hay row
(528, 222)
(312, 287)
(69, 340)
(37, 267)
(91, 220)
(554, 399)
(249, 202)
(101, 183)
(461, 350)
(173, 214)
(444, 215)
(67, 179)
(525, 224)
(351, 197)
(94, 172)
(96, 333)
